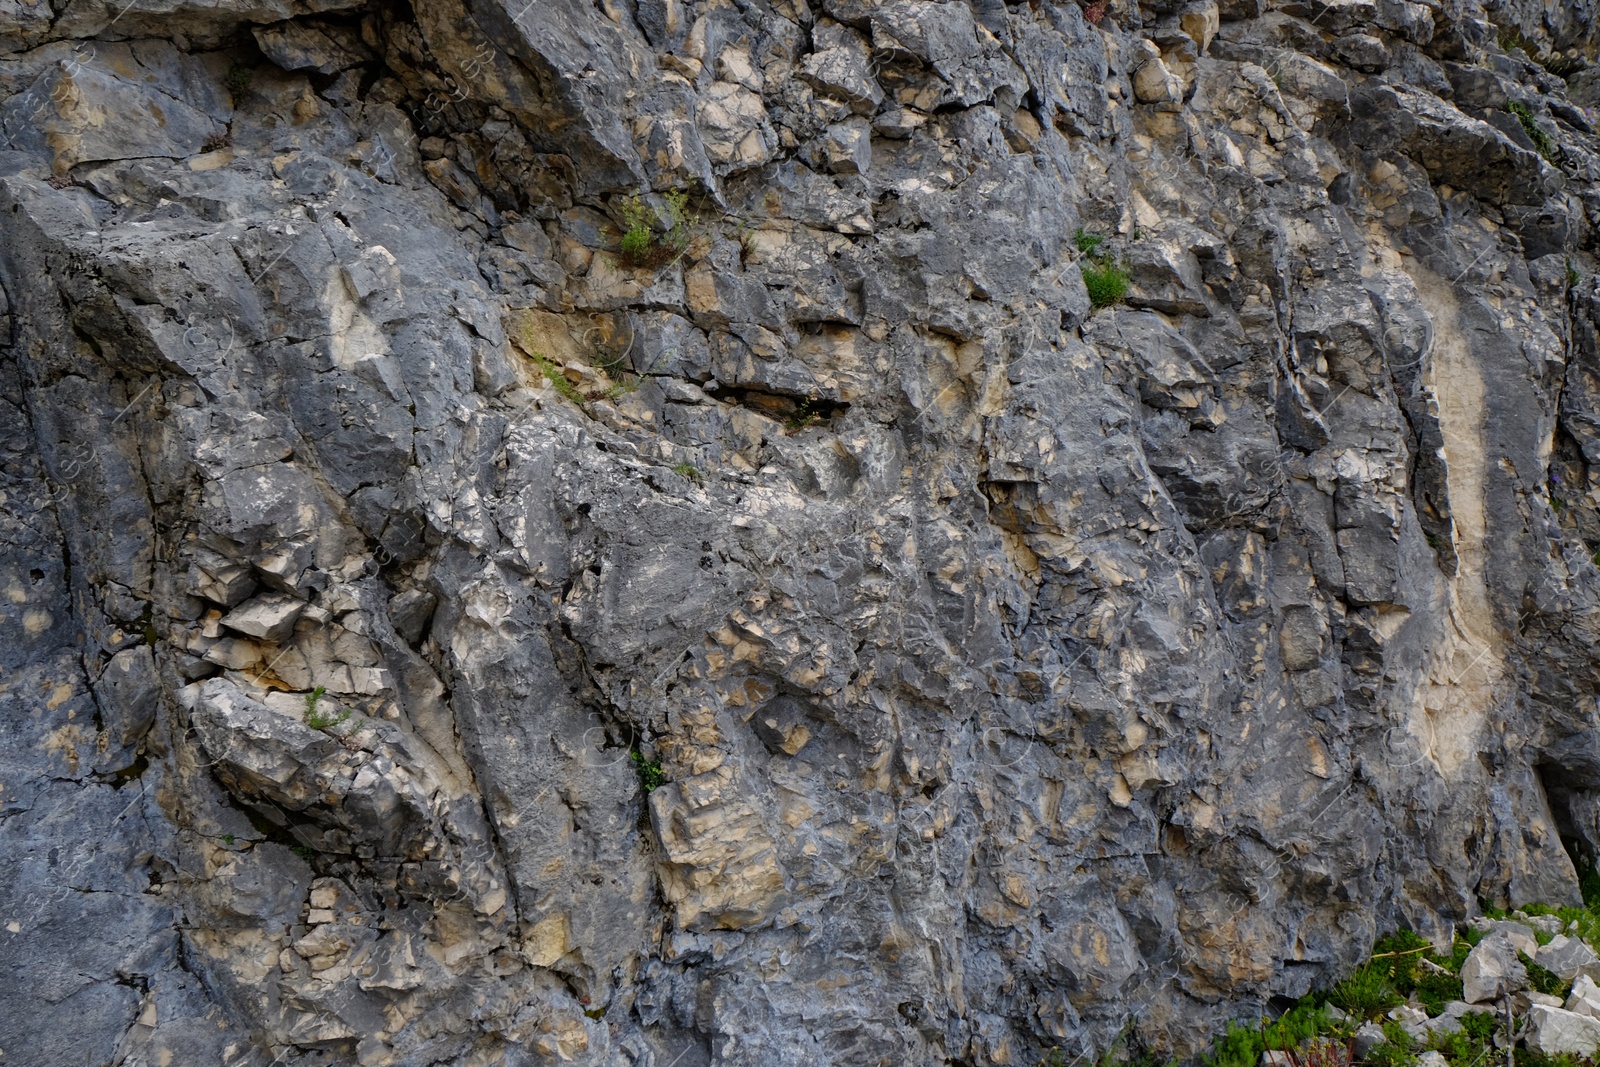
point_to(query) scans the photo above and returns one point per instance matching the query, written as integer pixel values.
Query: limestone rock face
(615, 534)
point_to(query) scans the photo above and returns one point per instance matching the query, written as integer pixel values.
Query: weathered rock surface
(1492, 970)
(373, 536)
(1566, 956)
(1555, 1030)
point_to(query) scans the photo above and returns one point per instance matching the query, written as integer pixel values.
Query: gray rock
(270, 617)
(1492, 969)
(823, 635)
(1585, 997)
(1519, 934)
(323, 48)
(1566, 956)
(1368, 1037)
(1554, 1031)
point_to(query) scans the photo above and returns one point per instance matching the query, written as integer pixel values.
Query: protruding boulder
(1553, 1031)
(1492, 970)
(1566, 956)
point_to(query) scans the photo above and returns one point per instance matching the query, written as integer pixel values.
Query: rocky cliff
(614, 533)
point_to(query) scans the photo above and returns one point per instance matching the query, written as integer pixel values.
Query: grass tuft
(1107, 284)
(318, 719)
(556, 377)
(1103, 277)
(641, 246)
(1369, 992)
(1542, 141)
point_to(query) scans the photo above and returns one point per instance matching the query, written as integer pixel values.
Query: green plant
(686, 470)
(227, 839)
(640, 245)
(1105, 280)
(1479, 1025)
(1472, 1045)
(1368, 992)
(1107, 285)
(238, 81)
(1544, 980)
(1323, 1052)
(1542, 141)
(1242, 1046)
(635, 245)
(556, 377)
(1510, 39)
(318, 719)
(1527, 1057)
(302, 851)
(620, 389)
(805, 413)
(1588, 887)
(1573, 277)
(1410, 965)
(1434, 991)
(650, 776)
(1396, 1050)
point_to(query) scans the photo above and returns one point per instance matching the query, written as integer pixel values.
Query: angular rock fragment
(1492, 969)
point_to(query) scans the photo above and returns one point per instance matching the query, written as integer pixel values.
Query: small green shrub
(1396, 1050)
(635, 244)
(1472, 1046)
(1527, 1057)
(1434, 991)
(1238, 1046)
(1397, 954)
(805, 413)
(318, 719)
(1368, 992)
(1107, 284)
(650, 776)
(618, 390)
(640, 245)
(1510, 39)
(1242, 1046)
(1401, 957)
(1479, 1025)
(238, 81)
(686, 470)
(1543, 980)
